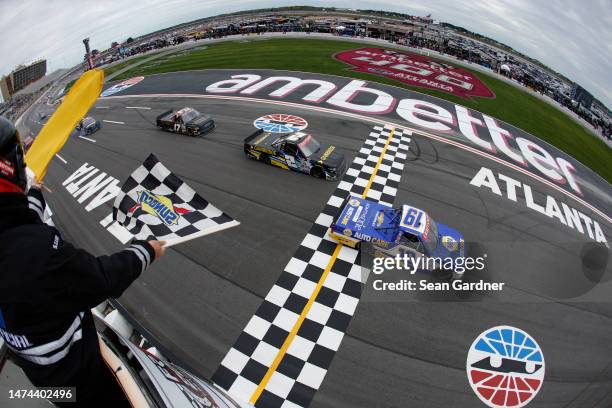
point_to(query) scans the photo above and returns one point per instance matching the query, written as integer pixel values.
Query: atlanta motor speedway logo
(122, 85)
(279, 123)
(505, 367)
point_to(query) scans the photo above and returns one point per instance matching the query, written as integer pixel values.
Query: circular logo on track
(122, 85)
(505, 367)
(280, 123)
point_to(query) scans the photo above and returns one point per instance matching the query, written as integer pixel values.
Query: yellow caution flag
(56, 131)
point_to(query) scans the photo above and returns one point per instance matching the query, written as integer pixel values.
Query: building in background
(21, 77)
(5, 88)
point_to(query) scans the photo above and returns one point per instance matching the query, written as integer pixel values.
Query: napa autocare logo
(159, 206)
(505, 367)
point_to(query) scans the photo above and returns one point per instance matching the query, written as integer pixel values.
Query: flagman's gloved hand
(31, 179)
(158, 246)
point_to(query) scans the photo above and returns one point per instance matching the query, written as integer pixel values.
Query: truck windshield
(308, 146)
(190, 115)
(430, 236)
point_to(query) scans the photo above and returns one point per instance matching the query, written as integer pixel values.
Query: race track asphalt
(400, 351)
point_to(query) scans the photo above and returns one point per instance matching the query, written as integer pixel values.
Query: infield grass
(511, 104)
(69, 85)
(108, 71)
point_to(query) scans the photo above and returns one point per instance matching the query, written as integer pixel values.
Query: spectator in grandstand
(47, 288)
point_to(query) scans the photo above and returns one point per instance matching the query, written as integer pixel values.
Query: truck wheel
(317, 172)
(265, 158)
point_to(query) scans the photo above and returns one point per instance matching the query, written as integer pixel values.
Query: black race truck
(296, 151)
(186, 121)
(88, 126)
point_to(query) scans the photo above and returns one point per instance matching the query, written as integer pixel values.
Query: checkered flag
(155, 204)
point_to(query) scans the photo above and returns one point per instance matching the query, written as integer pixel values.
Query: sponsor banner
(415, 70)
(122, 86)
(155, 203)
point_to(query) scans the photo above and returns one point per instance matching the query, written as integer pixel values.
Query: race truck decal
(296, 151)
(187, 121)
(158, 206)
(395, 231)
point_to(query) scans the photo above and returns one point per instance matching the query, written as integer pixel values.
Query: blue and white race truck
(395, 231)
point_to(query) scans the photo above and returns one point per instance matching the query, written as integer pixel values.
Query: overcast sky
(573, 37)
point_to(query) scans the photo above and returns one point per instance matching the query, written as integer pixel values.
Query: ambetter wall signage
(415, 70)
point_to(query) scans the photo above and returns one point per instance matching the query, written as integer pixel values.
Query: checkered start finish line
(281, 357)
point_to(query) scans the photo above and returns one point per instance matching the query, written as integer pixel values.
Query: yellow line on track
(296, 327)
(380, 159)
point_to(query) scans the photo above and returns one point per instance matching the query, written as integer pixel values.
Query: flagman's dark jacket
(47, 288)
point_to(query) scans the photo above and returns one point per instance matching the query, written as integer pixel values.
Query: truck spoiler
(163, 115)
(249, 139)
